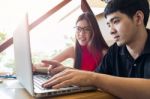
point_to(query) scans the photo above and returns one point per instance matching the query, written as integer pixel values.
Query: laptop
(23, 63)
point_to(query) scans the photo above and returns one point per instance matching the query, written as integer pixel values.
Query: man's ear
(139, 17)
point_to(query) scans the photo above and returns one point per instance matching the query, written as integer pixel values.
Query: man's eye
(108, 25)
(116, 21)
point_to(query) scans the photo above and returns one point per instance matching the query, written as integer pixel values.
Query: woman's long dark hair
(97, 42)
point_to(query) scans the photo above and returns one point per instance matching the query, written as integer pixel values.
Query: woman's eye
(87, 29)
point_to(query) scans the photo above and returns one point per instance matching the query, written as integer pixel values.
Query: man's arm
(124, 88)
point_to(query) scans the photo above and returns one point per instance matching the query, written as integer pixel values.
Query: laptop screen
(22, 54)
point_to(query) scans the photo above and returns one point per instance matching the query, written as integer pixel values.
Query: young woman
(89, 48)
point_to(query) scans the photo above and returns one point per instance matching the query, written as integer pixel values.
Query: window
(48, 38)
(56, 28)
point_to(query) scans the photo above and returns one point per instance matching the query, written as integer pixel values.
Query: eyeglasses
(84, 29)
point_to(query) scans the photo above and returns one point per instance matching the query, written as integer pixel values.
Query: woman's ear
(139, 17)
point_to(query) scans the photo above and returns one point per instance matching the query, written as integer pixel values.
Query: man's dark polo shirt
(118, 62)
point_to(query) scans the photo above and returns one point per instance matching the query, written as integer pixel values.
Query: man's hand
(70, 77)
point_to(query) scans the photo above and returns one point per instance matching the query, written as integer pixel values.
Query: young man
(125, 70)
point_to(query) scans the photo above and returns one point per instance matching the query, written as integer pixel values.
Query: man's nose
(112, 30)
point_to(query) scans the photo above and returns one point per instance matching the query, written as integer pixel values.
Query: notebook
(23, 63)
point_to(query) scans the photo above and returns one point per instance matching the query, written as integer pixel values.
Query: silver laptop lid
(22, 53)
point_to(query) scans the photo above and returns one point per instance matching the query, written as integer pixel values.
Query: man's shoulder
(114, 47)
(116, 50)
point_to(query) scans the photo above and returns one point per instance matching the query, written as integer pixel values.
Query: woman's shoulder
(104, 52)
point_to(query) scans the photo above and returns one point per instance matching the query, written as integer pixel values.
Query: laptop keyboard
(39, 80)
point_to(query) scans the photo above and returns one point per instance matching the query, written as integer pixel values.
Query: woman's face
(83, 32)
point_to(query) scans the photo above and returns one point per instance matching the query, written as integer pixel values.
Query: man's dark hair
(128, 7)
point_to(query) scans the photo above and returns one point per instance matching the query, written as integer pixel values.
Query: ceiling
(96, 3)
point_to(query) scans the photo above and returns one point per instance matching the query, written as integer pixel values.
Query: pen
(8, 76)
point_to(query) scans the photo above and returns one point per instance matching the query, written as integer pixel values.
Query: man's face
(122, 28)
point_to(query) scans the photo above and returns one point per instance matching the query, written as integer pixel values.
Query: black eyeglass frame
(85, 29)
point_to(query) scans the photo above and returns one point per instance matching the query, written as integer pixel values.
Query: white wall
(148, 24)
(104, 29)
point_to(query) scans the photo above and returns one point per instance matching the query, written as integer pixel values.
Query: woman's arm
(43, 66)
(67, 53)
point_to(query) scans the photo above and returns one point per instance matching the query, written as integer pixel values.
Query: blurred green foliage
(2, 36)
